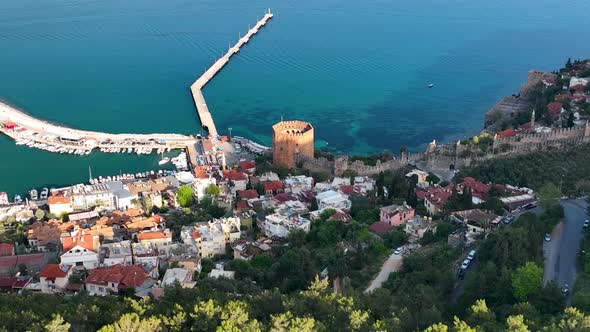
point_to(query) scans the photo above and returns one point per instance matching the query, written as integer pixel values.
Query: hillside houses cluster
(107, 233)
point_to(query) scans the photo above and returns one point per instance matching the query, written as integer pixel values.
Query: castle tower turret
(291, 140)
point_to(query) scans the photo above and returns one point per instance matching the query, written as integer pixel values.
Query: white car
(399, 251)
(465, 264)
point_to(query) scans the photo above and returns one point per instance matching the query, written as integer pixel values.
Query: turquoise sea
(357, 70)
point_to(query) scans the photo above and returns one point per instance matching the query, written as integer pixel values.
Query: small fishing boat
(430, 85)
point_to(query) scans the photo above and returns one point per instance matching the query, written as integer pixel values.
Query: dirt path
(392, 264)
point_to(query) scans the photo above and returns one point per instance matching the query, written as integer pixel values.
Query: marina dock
(202, 109)
(26, 130)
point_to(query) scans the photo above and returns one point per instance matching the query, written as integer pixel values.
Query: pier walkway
(24, 128)
(197, 86)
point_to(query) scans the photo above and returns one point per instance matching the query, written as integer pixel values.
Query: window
(100, 289)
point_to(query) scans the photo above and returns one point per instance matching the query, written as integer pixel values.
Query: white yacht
(33, 194)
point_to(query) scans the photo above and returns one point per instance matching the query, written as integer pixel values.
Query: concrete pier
(197, 86)
(23, 127)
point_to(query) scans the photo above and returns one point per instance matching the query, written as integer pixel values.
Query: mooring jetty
(27, 130)
(202, 109)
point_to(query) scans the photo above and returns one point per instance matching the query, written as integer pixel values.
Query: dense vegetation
(569, 168)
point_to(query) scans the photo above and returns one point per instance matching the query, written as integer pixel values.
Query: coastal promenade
(197, 86)
(25, 128)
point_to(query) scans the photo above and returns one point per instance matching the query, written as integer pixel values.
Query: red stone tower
(291, 139)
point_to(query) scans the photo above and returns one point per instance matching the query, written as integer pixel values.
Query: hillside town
(243, 230)
(122, 236)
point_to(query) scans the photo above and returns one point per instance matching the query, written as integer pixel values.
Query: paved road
(561, 256)
(392, 264)
(460, 283)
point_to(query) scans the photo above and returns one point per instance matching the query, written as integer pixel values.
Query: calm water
(356, 69)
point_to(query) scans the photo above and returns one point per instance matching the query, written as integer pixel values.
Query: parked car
(529, 206)
(547, 237)
(508, 219)
(399, 251)
(465, 264)
(586, 222)
(565, 289)
(471, 255)
(461, 274)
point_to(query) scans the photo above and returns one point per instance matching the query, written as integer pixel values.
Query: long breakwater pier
(27, 130)
(202, 109)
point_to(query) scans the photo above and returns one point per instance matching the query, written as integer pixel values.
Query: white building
(80, 249)
(578, 81)
(200, 185)
(59, 204)
(211, 238)
(54, 278)
(298, 184)
(161, 240)
(333, 199)
(112, 195)
(337, 182)
(183, 276)
(281, 225)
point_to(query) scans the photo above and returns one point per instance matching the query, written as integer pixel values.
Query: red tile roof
(196, 234)
(242, 205)
(246, 165)
(507, 133)
(58, 199)
(273, 185)
(82, 239)
(475, 185)
(437, 196)
(146, 236)
(131, 276)
(248, 194)
(235, 175)
(6, 249)
(54, 271)
(554, 108)
(578, 87)
(347, 190)
(200, 173)
(284, 197)
(380, 228)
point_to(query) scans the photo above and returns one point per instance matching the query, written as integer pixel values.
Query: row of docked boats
(34, 195)
(136, 150)
(52, 148)
(131, 177)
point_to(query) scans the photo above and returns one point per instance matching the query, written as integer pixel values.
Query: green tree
(516, 324)
(39, 214)
(133, 323)
(549, 195)
(185, 196)
(57, 324)
(574, 320)
(527, 280)
(213, 190)
(438, 327)
(235, 318)
(286, 322)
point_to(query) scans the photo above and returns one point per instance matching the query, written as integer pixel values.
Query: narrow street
(562, 252)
